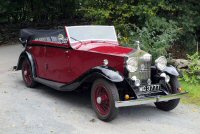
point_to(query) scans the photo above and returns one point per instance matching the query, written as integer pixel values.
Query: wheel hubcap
(25, 72)
(99, 100)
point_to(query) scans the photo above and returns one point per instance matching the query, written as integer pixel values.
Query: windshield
(91, 33)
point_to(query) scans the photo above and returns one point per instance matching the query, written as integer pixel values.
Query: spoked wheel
(173, 88)
(103, 97)
(102, 100)
(27, 74)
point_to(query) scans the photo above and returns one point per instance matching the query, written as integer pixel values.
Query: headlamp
(161, 63)
(132, 64)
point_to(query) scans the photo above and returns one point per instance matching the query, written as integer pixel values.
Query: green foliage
(192, 75)
(189, 21)
(194, 93)
(23, 11)
(156, 35)
(158, 24)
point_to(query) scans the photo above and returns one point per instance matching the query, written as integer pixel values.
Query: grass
(194, 93)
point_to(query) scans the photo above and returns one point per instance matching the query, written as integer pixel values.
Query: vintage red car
(67, 58)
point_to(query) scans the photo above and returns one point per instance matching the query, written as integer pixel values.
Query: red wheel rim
(102, 101)
(27, 73)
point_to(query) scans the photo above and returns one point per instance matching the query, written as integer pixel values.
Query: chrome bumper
(158, 98)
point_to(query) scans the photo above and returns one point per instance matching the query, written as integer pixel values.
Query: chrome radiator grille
(144, 70)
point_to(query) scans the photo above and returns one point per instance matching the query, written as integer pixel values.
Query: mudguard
(102, 71)
(171, 70)
(22, 56)
(109, 73)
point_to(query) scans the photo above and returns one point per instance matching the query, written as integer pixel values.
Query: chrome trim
(158, 98)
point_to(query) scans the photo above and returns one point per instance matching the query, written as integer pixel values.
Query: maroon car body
(69, 67)
(118, 76)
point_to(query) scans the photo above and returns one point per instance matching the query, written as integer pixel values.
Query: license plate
(150, 88)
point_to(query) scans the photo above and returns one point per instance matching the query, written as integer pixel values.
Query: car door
(57, 62)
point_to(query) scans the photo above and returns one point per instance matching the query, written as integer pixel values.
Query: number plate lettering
(150, 88)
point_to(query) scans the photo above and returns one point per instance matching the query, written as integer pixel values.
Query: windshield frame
(78, 41)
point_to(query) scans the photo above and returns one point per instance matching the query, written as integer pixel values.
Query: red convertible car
(67, 58)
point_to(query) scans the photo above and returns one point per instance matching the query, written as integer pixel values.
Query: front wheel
(171, 104)
(103, 97)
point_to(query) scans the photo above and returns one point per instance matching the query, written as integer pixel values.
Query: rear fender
(22, 57)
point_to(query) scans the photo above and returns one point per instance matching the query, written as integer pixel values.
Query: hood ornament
(138, 44)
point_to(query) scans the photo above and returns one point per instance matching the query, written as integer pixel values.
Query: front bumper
(153, 99)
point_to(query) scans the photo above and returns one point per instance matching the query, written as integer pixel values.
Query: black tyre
(171, 104)
(27, 74)
(103, 97)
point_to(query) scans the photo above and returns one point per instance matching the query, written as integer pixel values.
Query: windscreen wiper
(76, 40)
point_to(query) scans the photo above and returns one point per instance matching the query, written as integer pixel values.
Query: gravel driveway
(45, 111)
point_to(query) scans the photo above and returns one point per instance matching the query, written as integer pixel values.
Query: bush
(156, 36)
(192, 75)
(156, 23)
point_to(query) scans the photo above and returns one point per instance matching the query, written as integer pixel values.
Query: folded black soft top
(31, 34)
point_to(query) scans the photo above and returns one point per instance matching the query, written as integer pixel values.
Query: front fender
(109, 73)
(101, 72)
(171, 70)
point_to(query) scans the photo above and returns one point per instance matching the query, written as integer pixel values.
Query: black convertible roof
(45, 35)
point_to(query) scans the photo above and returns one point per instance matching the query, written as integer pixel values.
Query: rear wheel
(27, 74)
(171, 104)
(103, 97)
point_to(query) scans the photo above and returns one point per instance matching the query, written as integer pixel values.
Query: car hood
(107, 49)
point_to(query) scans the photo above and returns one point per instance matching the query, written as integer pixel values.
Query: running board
(57, 85)
(154, 99)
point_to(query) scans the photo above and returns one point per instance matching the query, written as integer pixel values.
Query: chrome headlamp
(132, 64)
(161, 63)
